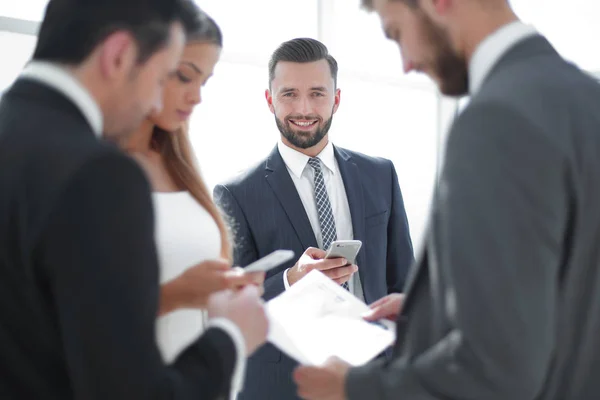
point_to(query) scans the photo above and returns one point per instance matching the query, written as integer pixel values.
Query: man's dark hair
(72, 29)
(302, 50)
(368, 4)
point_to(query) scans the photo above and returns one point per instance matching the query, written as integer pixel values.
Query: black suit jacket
(505, 301)
(267, 214)
(78, 269)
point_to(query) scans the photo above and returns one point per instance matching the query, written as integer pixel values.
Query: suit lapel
(423, 256)
(415, 272)
(356, 202)
(281, 183)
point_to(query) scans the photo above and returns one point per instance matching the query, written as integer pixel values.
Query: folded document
(316, 319)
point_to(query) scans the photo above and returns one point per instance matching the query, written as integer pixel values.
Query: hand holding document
(316, 319)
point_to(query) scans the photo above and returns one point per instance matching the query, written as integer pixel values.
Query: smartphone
(270, 261)
(347, 249)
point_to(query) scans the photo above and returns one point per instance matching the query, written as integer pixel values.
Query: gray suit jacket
(504, 303)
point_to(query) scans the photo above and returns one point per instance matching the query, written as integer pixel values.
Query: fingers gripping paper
(316, 319)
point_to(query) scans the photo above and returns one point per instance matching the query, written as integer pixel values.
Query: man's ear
(269, 98)
(336, 101)
(117, 56)
(437, 10)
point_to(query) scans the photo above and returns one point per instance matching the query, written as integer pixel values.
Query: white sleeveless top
(186, 235)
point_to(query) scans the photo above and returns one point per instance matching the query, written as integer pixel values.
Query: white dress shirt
(302, 175)
(186, 235)
(59, 79)
(492, 48)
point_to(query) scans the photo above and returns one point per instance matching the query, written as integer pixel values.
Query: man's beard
(449, 68)
(300, 139)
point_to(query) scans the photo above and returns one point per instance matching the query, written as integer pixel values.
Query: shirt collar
(62, 81)
(489, 52)
(297, 161)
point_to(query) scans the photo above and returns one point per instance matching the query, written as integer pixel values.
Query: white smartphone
(347, 249)
(270, 261)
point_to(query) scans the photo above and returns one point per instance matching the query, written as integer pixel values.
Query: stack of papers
(316, 319)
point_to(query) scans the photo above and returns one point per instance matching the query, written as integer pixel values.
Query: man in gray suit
(504, 301)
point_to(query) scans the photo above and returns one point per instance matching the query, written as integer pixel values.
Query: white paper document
(316, 319)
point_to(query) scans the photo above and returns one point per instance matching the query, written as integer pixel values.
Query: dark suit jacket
(78, 269)
(267, 214)
(505, 301)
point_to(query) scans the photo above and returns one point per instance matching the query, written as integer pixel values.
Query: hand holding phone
(336, 267)
(347, 249)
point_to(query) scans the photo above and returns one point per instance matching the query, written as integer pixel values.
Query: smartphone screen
(347, 249)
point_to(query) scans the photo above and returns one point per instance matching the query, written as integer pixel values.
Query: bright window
(32, 10)
(357, 40)
(255, 28)
(19, 49)
(572, 27)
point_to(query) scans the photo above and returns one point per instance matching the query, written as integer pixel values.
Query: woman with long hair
(191, 236)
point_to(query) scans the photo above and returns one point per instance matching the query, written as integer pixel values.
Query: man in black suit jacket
(274, 205)
(78, 268)
(504, 301)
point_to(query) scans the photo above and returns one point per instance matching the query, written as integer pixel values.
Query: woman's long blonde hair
(176, 151)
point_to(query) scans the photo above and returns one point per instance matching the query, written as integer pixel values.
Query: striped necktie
(326, 220)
